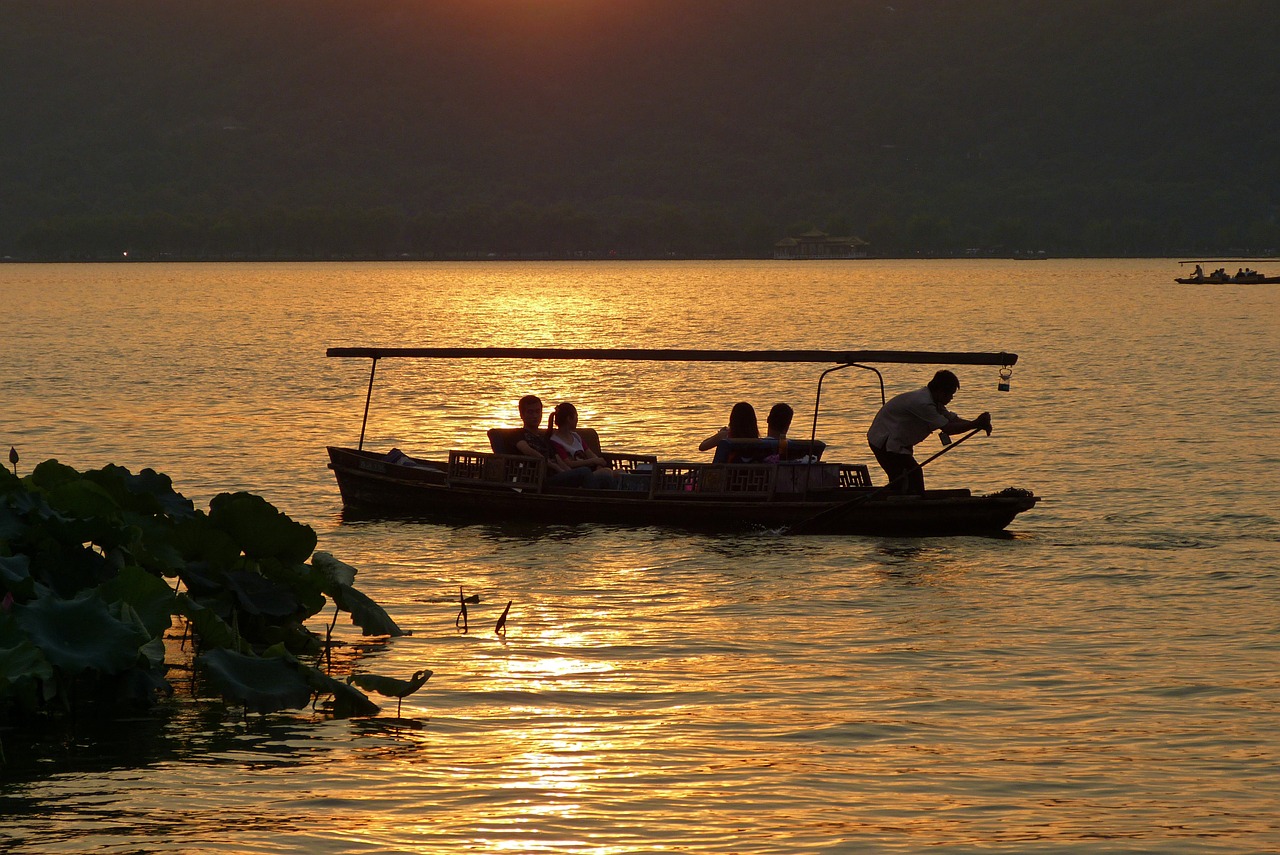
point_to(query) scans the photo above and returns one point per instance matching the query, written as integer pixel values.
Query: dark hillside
(381, 127)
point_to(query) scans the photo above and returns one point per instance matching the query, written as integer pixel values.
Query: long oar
(829, 514)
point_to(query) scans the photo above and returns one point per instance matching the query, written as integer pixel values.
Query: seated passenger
(536, 442)
(533, 440)
(778, 423)
(578, 466)
(742, 425)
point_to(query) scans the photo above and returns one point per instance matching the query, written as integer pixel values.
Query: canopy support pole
(817, 404)
(367, 398)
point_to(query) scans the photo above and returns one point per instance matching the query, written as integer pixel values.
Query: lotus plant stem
(328, 637)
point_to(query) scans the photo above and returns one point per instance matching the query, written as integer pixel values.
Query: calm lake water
(1107, 680)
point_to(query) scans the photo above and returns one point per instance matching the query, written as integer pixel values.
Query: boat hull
(1229, 280)
(370, 484)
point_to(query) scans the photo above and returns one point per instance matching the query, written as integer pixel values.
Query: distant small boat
(1256, 279)
(1243, 276)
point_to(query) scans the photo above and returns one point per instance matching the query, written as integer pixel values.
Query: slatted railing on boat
(854, 475)
(641, 463)
(755, 480)
(645, 474)
(511, 470)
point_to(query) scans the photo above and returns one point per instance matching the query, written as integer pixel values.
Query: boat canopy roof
(837, 357)
(1229, 260)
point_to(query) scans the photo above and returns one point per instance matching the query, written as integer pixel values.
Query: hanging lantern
(1006, 375)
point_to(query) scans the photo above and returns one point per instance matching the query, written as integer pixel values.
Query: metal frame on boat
(807, 495)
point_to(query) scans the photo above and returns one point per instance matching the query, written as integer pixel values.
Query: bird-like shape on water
(390, 686)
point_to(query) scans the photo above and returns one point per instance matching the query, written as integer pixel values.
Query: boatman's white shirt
(907, 420)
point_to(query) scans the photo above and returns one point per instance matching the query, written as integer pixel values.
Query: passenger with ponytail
(572, 454)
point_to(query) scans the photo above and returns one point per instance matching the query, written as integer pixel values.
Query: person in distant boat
(572, 454)
(742, 425)
(536, 442)
(1199, 274)
(907, 419)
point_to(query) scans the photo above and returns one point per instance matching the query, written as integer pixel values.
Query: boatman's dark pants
(902, 469)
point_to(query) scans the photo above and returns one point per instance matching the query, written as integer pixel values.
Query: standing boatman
(907, 419)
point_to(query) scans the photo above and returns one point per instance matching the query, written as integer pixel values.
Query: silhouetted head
(779, 420)
(531, 411)
(943, 386)
(742, 422)
(564, 416)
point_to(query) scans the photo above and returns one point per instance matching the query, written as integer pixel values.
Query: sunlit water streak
(1105, 681)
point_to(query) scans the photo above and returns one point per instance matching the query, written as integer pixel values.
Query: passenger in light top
(573, 455)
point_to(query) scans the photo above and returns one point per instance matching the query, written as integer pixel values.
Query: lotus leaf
(347, 700)
(366, 614)
(390, 686)
(260, 529)
(51, 473)
(10, 525)
(263, 685)
(83, 499)
(172, 503)
(151, 543)
(200, 542)
(212, 629)
(259, 595)
(81, 634)
(25, 675)
(204, 580)
(123, 612)
(25, 502)
(301, 579)
(334, 571)
(92, 515)
(149, 492)
(69, 567)
(139, 686)
(24, 661)
(153, 652)
(20, 660)
(150, 597)
(294, 636)
(15, 576)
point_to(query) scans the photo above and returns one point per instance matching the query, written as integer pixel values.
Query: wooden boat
(799, 493)
(1246, 276)
(1256, 279)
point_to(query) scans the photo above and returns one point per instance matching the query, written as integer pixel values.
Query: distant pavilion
(818, 244)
